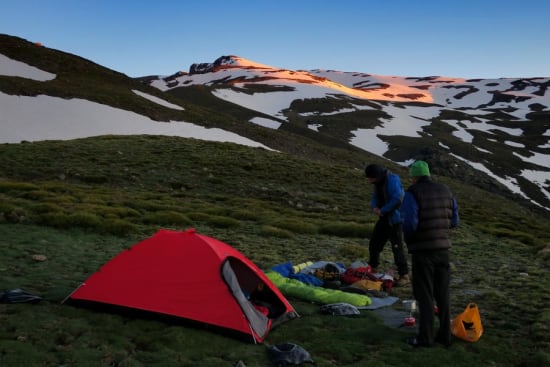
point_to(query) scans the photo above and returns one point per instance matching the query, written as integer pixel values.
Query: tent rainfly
(186, 275)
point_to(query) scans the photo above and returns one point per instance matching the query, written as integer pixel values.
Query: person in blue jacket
(429, 210)
(386, 199)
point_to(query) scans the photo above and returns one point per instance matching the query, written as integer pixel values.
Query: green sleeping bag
(295, 288)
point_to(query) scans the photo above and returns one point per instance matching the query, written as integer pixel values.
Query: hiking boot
(402, 281)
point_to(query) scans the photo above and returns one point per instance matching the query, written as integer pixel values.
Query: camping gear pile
(327, 282)
(357, 278)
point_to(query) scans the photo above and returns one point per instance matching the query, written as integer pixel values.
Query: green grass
(75, 204)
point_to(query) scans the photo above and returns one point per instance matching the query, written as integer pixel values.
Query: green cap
(419, 168)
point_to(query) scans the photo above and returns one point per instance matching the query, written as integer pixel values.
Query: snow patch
(269, 123)
(10, 67)
(22, 119)
(157, 100)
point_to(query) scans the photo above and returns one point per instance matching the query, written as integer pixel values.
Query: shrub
(19, 186)
(271, 231)
(18, 215)
(84, 220)
(296, 226)
(354, 251)
(94, 179)
(166, 218)
(7, 207)
(57, 219)
(523, 237)
(544, 252)
(46, 208)
(118, 227)
(246, 214)
(36, 195)
(215, 211)
(198, 216)
(65, 199)
(120, 212)
(12, 213)
(351, 229)
(222, 222)
(215, 220)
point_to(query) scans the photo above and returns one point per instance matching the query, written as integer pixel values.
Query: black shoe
(416, 343)
(402, 281)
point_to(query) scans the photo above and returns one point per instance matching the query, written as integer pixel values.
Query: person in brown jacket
(429, 210)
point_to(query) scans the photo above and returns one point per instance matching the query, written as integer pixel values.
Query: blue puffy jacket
(393, 197)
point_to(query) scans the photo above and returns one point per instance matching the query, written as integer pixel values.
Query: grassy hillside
(80, 202)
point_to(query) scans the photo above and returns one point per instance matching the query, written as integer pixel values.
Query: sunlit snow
(43, 117)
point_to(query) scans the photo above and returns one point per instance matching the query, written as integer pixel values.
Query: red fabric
(174, 273)
(264, 310)
(352, 275)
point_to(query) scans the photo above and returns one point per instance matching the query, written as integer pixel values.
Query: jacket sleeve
(409, 213)
(455, 219)
(373, 201)
(395, 195)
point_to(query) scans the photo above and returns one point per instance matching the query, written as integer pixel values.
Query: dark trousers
(430, 281)
(384, 231)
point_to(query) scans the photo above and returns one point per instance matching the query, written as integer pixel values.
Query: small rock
(39, 257)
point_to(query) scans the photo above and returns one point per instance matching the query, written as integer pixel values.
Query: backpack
(340, 309)
(289, 353)
(18, 296)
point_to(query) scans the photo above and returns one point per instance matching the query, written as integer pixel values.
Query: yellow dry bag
(467, 325)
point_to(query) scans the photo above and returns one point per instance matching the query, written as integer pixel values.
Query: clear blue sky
(457, 38)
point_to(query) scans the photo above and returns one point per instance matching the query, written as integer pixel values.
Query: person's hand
(377, 211)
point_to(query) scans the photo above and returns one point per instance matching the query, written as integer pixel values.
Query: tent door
(257, 320)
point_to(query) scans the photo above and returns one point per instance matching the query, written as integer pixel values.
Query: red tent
(189, 276)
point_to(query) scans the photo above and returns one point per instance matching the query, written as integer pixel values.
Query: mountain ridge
(495, 136)
(513, 109)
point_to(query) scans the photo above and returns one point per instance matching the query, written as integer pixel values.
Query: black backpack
(18, 296)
